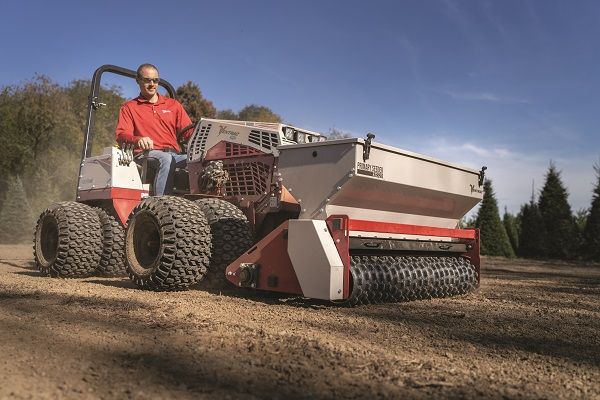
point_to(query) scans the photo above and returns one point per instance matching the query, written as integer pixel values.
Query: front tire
(167, 244)
(231, 237)
(68, 240)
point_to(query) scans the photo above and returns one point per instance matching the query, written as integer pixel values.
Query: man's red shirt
(159, 121)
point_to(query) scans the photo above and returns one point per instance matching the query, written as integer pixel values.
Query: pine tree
(16, 220)
(531, 233)
(510, 225)
(494, 240)
(561, 230)
(591, 231)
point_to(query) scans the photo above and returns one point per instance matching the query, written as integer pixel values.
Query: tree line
(545, 228)
(41, 127)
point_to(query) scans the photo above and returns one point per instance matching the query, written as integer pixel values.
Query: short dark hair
(138, 73)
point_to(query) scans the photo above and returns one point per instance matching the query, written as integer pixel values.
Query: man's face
(148, 82)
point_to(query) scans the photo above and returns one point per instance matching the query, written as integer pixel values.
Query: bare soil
(532, 331)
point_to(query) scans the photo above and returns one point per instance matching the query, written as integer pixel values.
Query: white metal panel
(315, 259)
(104, 171)
(314, 175)
(387, 148)
(397, 185)
(210, 131)
(95, 172)
(125, 176)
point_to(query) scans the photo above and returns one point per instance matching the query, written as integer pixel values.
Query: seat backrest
(151, 168)
(181, 180)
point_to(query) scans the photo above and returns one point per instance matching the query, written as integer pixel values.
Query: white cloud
(442, 145)
(513, 173)
(555, 125)
(503, 153)
(474, 149)
(485, 96)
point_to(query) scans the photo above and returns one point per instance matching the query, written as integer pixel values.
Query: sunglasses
(148, 81)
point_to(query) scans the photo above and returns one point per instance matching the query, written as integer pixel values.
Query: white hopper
(392, 185)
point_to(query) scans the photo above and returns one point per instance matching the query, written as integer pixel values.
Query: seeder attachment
(361, 262)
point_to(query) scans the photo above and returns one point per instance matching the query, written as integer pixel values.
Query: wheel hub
(145, 235)
(49, 240)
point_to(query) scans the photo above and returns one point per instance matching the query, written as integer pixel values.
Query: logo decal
(166, 111)
(232, 134)
(370, 170)
(475, 190)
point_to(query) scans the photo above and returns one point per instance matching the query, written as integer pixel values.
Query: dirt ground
(532, 331)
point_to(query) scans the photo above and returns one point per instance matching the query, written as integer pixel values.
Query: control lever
(145, 165)
(96, 104)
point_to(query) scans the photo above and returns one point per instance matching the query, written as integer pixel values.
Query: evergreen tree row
(545, 228)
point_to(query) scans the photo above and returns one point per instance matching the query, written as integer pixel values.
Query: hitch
(248, 275)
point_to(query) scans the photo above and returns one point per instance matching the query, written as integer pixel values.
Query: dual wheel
(73, 240)
(68, 240)
(170, 243)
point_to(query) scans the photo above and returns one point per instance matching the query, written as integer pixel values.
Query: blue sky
(510, 84)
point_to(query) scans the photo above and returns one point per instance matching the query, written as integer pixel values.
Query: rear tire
(68, 240)
(112, 261)
(231, 237)
(167, 244)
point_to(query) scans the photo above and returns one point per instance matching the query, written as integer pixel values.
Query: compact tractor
(271, 207)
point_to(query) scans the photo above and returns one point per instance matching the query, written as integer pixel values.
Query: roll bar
(94, 104)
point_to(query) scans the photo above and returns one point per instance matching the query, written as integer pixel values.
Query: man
(151, 123)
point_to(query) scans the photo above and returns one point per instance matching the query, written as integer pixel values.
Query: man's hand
(145, 143)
